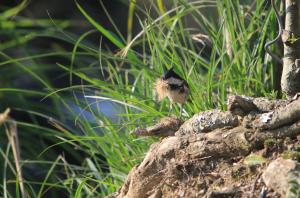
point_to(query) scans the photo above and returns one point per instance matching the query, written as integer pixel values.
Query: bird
(174, 87)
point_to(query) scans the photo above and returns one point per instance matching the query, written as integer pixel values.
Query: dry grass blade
(4, 115)
(12, 135)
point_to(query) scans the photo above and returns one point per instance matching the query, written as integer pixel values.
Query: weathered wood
(166, 126)
(279, 117)
(242, 105)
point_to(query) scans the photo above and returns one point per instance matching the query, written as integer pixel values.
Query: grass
(68, 142)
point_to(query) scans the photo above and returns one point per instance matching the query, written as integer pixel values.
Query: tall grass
(69, 143)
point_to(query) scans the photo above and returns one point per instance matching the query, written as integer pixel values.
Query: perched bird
(174, 87)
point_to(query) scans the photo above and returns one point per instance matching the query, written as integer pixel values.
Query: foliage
(68, 142)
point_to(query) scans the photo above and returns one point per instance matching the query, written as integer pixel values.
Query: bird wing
(175, 83)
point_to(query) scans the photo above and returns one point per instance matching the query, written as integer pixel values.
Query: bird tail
(161, 87)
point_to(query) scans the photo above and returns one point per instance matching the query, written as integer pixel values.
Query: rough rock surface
(208, 121)
(280, 173)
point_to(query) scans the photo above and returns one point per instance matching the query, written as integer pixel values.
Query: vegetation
(68, 141)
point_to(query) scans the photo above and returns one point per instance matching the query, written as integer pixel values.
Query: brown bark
(290, 79)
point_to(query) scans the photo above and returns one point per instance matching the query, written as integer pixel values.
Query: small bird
(174, 87)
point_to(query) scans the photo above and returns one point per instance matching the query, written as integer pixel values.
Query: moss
(254, 160)
(271, 143)
(238, 172)
(295, 155)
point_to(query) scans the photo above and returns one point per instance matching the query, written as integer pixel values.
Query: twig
(254, 184)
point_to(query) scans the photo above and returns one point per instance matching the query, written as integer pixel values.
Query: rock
(207, 121)
(226, 192)
(240, 105)
(281, 174)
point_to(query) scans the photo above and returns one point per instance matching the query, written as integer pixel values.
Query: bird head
(171, 74)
